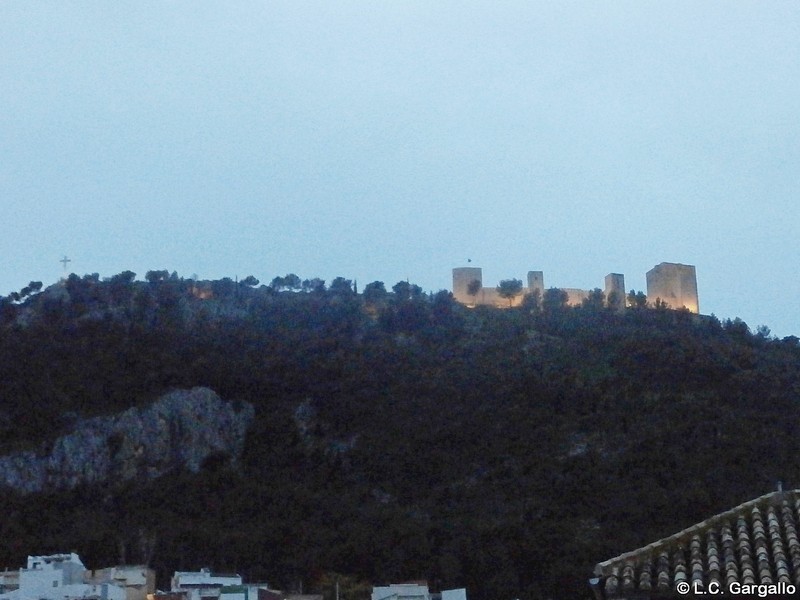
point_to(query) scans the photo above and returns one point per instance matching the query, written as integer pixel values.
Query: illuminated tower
(462, 277)
(536, 282)
(674, 284)
(615, 291)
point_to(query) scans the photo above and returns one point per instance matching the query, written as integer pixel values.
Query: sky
(396, 140)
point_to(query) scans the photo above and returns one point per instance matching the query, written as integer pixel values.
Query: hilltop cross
(64, 261)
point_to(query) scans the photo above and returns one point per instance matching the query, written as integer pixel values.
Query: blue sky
(394, 140)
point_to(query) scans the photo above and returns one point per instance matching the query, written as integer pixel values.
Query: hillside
(396, 435)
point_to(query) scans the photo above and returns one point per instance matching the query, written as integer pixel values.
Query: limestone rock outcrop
(178, 431)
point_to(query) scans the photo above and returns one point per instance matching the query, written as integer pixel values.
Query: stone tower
(536, 282)
(615, 284)
(674, 284)
(462, 277)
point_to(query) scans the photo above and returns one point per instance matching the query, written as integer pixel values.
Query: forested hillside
(397, 435)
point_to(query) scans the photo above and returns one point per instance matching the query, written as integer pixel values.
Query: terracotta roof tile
(755, 543)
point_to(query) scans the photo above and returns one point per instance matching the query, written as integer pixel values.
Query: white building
(457, 594)
(9, 580)
(60, 577)
(401, 591)
(415, 591)
(202, 584)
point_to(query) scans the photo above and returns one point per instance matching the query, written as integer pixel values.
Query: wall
(488, 296)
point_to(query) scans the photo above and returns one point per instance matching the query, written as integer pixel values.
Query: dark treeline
(398, 434)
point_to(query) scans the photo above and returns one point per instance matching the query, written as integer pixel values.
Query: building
(755, 544)
(456, 594)
(470, 279)
(675, 284)
(267, 594)
(138, 581)
(402, 591)
(415, 591)
(60, 577)
(205, 585)
(167, 596)
(253, 591)
(9, 581)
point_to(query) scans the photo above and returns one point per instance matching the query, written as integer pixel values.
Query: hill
(396, 435)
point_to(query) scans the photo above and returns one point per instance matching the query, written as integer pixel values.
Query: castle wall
(575, 297)
(675, 284)
(490, 297)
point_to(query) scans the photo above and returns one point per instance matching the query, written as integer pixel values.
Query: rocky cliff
(178, 431)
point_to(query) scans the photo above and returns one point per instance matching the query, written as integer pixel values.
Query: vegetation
(398, 434)
(473, 287)
(509, 289)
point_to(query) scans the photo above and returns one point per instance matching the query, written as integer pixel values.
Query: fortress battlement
(673, 283)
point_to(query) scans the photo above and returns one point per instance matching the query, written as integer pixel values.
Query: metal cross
(64, 261)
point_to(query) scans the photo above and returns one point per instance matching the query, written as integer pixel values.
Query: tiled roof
(755, 543)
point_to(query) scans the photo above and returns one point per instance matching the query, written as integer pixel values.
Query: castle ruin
(674, 284)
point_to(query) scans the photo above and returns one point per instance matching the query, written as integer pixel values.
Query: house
(60, 577)
(402, 591)
(264, 593)
(752, 549)
(205, 585)
(168, 596)
(138, 581)
(248, 591)
(9, 580)
(415, 591)
(455, 594)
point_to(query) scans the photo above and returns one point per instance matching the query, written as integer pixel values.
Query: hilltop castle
(674, 284)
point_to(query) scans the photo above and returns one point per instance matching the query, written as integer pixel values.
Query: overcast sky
(398, 139)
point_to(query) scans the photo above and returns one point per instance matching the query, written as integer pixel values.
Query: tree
(277, 284)
(554, 299)
(315, 284)
(532, 302)
(637, 299)
(403, 290)
(763, 332)
(737, 328)
(223, 288)
(32, 288)
(340, 285)
(124, 278)
(289, 282)
(509, 289)
(292, 282)
(473, 287)
(374, 292)
(249, 281)
(596, 300)
(156, 276)
(616, 301)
